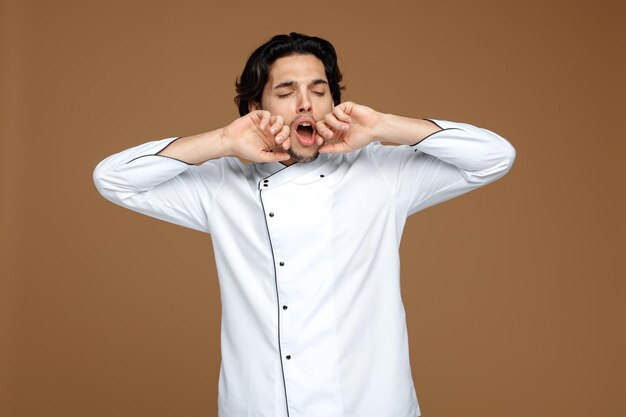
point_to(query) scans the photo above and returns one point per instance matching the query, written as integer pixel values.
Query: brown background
(514, 293)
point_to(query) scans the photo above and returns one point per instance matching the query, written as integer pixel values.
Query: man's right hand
(256, 136)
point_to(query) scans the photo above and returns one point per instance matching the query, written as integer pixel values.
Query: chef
(306, 207)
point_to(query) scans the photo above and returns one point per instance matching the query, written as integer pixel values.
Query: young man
(306, 236)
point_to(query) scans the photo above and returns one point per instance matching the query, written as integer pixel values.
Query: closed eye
(317, 93)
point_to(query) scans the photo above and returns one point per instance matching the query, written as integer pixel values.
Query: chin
(303, 157)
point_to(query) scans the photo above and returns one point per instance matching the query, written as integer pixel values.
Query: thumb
(339, 147)
(270, 156)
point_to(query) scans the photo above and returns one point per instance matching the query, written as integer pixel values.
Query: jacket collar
(273, 174)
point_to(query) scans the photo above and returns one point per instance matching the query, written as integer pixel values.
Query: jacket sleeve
(450, 162)
(160, 186)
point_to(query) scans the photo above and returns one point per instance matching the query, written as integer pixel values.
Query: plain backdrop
(514, 293)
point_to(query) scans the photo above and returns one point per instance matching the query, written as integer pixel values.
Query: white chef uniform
(313, 323)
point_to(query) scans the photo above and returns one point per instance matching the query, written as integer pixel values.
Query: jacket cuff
(139, 168)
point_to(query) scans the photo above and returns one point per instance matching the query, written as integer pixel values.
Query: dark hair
(254, 76)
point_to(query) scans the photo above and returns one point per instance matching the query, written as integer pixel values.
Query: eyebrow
(291, 83)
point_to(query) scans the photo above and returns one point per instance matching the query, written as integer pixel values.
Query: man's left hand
(348, 127)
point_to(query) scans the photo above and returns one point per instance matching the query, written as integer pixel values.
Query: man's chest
(313, 213)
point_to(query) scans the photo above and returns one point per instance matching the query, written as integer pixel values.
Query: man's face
(297, 89)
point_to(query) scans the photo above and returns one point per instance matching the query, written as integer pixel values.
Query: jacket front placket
(293, 202)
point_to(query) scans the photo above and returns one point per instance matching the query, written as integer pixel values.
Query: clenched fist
(348, 127)
(256, 137)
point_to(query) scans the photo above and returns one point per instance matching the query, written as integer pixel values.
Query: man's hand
(351, 126)
(348, 127)
(255, 137)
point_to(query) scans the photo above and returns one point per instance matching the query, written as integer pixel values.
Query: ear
(253, 105)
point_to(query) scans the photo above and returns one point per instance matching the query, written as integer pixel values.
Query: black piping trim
(169, 144)
(435, 123)
(280, 352)
(434, 133)
(286, 166)
(164, 156)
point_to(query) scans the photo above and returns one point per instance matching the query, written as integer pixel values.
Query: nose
(304, 104)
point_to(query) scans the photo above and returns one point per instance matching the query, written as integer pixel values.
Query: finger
(346, 107)
(335, 148)
(265, 119)
(319, 140)
(287, 143)
(282, 135)
(270, 156)
(341, 115)
(332, 122)
(323, 130)
(277, 124)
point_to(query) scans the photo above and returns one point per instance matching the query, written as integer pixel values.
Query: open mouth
(305, 131)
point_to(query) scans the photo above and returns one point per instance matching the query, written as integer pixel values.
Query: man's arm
(197, 149)
(404, 130)
(249, 137)
(474, 150)
(438, 159)
(351, 126)
(161, 178)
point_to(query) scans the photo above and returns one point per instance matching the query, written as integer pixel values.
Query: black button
(264, 185)
(288, 356)
(271, 214)
(284, 307)
(265, 180)
(321, 175)
(282, 264)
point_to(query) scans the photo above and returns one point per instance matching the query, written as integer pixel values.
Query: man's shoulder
(223, 169)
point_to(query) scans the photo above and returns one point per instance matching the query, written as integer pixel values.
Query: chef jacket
(313, 323)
